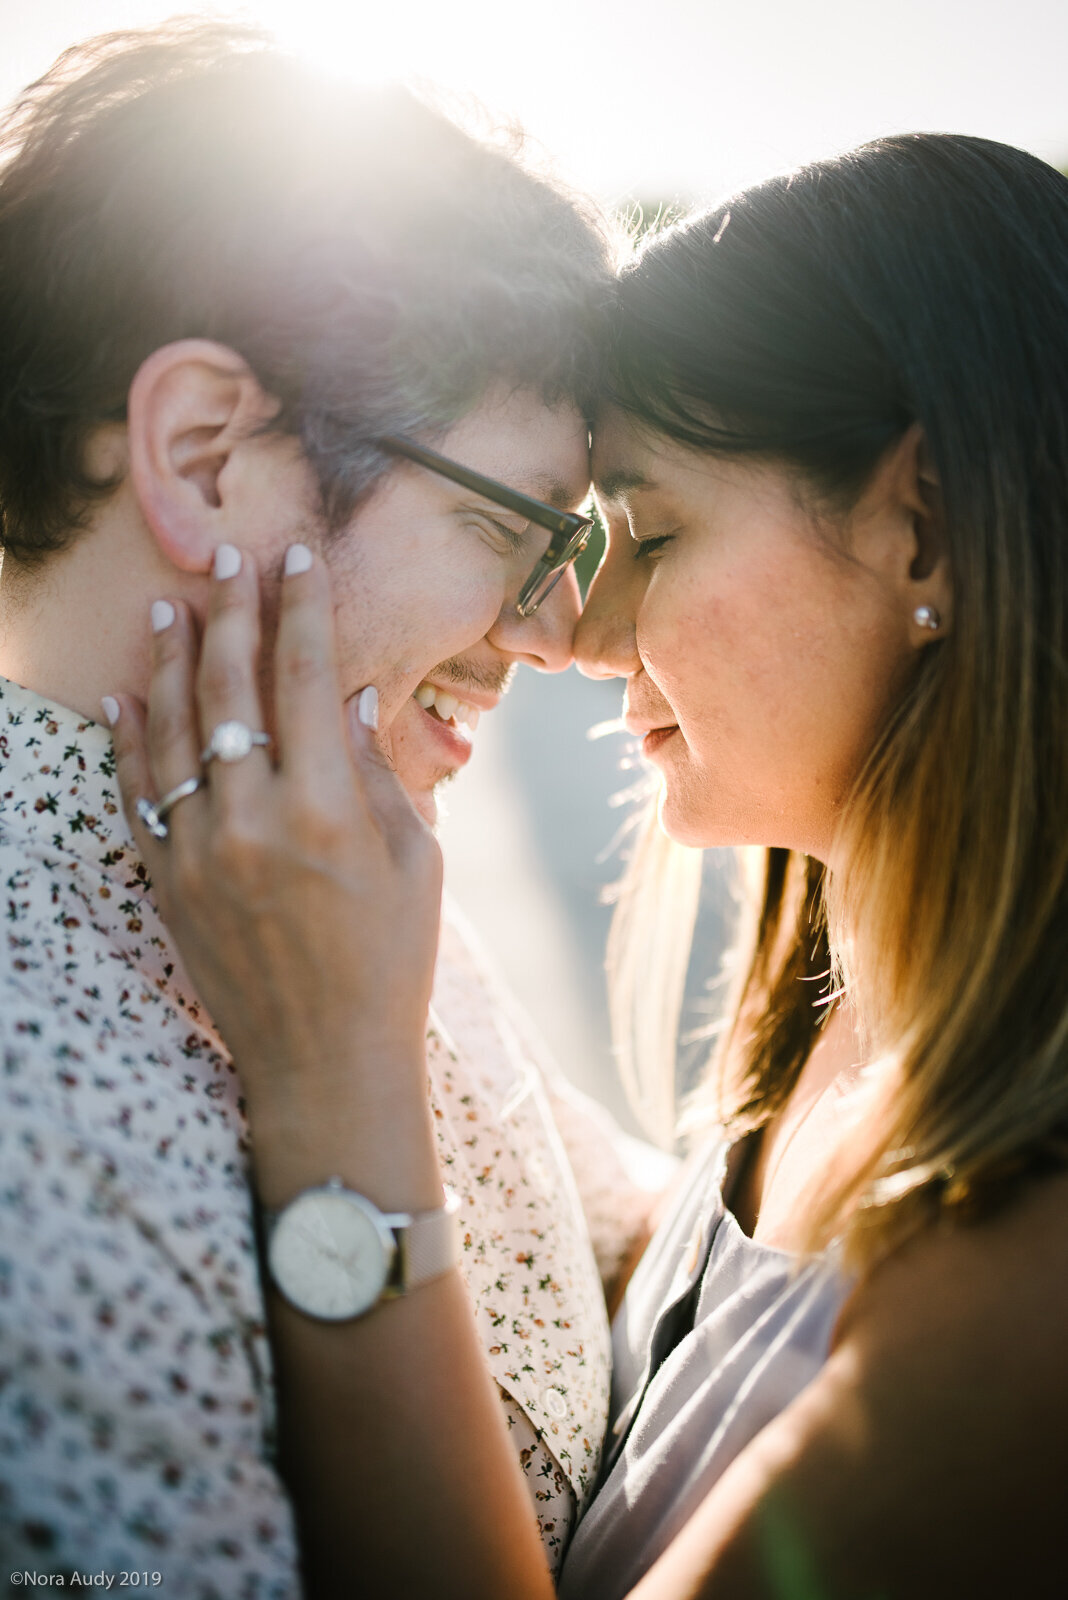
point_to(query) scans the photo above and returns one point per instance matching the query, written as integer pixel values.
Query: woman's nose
(605, 642)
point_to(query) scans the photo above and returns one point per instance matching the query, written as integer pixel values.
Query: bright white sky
(663, 97)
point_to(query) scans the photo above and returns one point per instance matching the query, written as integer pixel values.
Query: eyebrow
(614, 485)
(550, 491)
(545, 486)
(556, 493)
(496, 491)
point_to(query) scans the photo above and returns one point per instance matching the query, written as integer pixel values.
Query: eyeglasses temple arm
(562, 524)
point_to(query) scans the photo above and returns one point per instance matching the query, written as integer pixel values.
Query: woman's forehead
(631, 462)
(622, 461)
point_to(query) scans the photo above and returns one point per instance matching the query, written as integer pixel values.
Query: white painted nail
(367, 706)
(162, 615)
(298, 560)
(111, 709)
(227, 561)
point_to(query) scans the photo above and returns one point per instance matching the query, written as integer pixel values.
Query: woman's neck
(796, 1150)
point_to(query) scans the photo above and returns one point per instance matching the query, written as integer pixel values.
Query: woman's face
(761, 651)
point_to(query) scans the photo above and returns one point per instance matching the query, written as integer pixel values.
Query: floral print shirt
(136, 1400)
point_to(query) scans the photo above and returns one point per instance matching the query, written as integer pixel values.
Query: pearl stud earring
(927, 617)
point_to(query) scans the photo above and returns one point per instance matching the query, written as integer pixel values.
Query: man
(225, 283)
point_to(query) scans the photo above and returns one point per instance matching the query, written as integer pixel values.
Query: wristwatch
(334, 1255)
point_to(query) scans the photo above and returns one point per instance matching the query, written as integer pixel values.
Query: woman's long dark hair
(810, 321)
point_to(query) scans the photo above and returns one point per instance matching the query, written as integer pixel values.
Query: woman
(835, 466)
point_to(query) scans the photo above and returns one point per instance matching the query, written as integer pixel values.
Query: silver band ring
(231, 741)
(154, 813)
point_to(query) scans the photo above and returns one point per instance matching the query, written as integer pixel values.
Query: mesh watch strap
(428, 1244)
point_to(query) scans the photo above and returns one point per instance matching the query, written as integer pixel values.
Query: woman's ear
(191, 404)
(907, 500)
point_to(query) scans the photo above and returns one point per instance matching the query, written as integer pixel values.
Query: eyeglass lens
(549, 571)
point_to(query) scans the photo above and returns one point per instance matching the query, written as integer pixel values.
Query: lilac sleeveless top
(716, 1336)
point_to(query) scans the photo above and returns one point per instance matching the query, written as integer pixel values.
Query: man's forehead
(553, 489)
(515, 437)
(562, 480)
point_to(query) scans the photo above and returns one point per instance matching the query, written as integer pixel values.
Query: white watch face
(328, 1256)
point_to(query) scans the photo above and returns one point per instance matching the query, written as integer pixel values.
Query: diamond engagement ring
(154, 813)
(231, 741)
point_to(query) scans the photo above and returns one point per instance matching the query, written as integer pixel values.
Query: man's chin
(430, 802)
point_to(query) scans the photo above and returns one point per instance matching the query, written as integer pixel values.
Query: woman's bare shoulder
(1009, 1270)
(929, 1456)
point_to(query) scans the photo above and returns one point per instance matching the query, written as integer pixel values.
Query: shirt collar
(57, 781)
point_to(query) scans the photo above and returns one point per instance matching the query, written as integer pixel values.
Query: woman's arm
(929, 1457)
(304, 895)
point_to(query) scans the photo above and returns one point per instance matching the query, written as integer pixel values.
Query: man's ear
(191, 404)
(907, 488)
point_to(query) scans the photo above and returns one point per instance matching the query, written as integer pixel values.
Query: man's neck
(76, 627)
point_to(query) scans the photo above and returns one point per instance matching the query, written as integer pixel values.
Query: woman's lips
(656, 738)
(653, 735)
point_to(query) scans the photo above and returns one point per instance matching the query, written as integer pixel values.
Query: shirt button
(555, 1404)
(693, 1255)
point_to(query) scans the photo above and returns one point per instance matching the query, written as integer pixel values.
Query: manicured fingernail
(162, 615)
(298, 560)
(367, 706)
(227, 561)
(111, 709)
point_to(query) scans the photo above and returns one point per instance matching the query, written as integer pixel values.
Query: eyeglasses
(569, 532)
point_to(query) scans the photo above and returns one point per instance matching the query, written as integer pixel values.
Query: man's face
(426, 577)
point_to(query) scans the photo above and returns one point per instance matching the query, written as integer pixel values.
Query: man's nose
(605, 642)
(545, 640)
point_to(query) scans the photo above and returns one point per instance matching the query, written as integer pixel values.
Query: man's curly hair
(376, 266)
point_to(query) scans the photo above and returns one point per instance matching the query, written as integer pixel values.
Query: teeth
(447, 705)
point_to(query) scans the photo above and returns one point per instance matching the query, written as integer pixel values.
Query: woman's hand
(303, 892)
(302, 888)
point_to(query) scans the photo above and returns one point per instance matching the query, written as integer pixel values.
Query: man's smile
(449, 707)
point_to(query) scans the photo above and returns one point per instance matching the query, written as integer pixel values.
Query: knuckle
(172, 726)
(230, 599)
(238, 857)
(170, 647)
(129, 764)
(304, 646)
(305, 662)
(317, 824)
(223, 678)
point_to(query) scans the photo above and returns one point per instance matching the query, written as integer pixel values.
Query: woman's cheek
(671, 634)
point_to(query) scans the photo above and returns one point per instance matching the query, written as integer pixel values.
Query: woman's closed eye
(650, 546)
